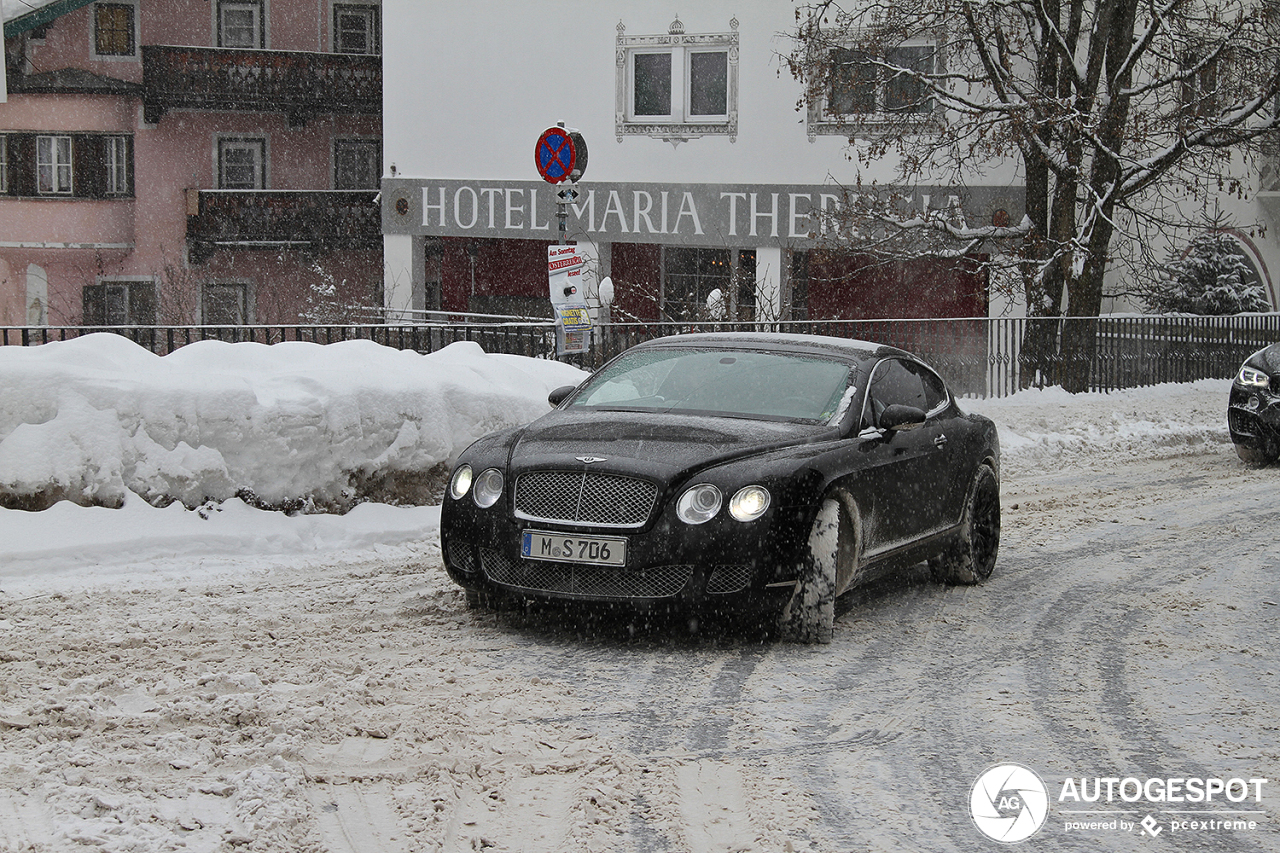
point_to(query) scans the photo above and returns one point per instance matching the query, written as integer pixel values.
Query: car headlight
(460, 484)
(488, 488)
(1252, 377)
(749, 503)
(699, 503)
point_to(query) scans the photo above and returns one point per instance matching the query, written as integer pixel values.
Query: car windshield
(732, 383)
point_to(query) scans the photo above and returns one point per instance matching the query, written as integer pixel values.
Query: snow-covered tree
(1212, 277)
(323, 303)
(1118, 111)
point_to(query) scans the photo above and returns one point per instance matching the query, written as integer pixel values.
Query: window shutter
(142, 303)
(128, 154)
(88, 167)
(22, 164)
(95, 305)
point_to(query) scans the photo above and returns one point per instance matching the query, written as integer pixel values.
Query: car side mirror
(900, 417)
(556, 397)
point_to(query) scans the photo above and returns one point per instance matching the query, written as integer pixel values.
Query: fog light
(1254, 403)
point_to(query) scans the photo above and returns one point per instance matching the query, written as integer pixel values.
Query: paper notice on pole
(568, 299)
(564, 274)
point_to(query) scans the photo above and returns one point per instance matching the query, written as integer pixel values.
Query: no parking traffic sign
(560, 155)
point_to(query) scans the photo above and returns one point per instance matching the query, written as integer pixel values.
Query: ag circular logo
(1008, 803)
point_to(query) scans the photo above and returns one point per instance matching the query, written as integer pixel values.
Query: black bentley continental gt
(759, 474)
(1253, 409)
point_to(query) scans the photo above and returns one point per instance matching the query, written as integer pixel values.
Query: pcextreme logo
(1008, 803)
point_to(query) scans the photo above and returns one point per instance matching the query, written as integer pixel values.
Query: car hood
(660, 446)
(1267, 360)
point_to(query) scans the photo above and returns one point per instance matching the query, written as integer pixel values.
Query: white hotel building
(704, 166)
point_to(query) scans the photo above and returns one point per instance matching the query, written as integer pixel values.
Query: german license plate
(595, 550)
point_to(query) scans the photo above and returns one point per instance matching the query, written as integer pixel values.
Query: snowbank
(94, 419)
(1049, 426)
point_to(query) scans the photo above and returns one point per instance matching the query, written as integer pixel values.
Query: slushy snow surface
(225, 677)
(101, 420)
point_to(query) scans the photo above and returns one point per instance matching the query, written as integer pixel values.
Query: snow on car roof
(781, 340)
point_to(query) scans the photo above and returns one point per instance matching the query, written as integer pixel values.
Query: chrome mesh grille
(585, 497)
(462, 556)
(571, 579)
(728, 579)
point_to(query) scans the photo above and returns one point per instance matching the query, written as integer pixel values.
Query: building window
(242, 163)
(357, 29)
(357, 164)
(225, 304)
(77, 165)
(120, 302)
(689, 277)
(53, 165)
(866, 89)
(677, 86)
(240, 24)
(1198, 98)
(119, 162)
(113, 29)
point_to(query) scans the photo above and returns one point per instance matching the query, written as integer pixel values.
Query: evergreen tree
(1211, 278)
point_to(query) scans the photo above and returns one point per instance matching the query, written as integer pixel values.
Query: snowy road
(1130, 630)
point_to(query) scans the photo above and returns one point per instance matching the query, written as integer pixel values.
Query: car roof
(784, 341)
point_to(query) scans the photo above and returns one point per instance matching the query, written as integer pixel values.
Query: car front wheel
(973, 555)
(809, 617)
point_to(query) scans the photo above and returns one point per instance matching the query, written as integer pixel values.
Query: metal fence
(978, 356)
(531, 339)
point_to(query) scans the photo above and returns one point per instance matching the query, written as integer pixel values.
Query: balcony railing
(322, 219)
(294, 82)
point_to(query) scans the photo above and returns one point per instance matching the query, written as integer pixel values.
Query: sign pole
(560, 156)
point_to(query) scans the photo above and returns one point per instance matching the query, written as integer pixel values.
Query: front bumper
(1253, 418)
(722, 565)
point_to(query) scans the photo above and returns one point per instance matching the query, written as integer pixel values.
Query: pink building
(190, 161)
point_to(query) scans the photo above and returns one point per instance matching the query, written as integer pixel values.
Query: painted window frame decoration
(684, 50)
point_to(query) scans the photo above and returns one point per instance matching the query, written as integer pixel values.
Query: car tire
(971, 558)
(1255, 457)
(809, 617)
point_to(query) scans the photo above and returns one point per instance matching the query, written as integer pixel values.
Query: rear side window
(905, 383)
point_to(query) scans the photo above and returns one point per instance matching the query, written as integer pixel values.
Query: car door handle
(940, 440)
